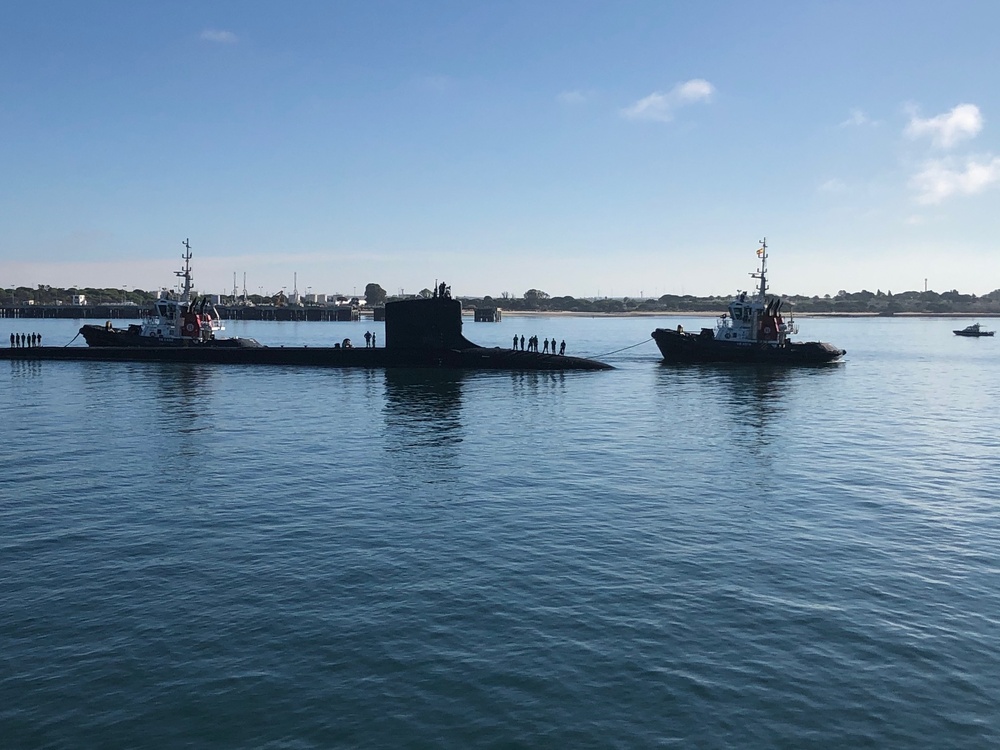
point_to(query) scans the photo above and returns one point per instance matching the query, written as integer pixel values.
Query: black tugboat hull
(973, 335)
(103, 337)
(687, 347)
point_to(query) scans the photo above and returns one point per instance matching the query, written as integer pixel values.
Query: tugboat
(975, 330)
(174, 322)
(754, 330)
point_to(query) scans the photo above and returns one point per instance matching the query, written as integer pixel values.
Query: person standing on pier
(373, 339)
(515, 343)
(562, 347)
(12, 341)
(368, 340)
(522, 343)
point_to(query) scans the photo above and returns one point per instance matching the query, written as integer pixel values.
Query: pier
(487, 315)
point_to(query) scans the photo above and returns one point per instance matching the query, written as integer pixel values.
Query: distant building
(487, 315)
(79, 299)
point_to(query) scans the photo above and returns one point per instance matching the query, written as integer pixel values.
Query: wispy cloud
(660, 106)
(857, 119)
(574, 97)
(949, 128)
(940, 179)
(833, 186)
(218, 36)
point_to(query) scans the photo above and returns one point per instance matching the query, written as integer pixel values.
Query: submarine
(419, 333)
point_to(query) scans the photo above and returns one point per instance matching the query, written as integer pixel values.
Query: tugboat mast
(185, 273)
(762, 271)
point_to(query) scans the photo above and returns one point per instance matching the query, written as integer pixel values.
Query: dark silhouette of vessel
(418, 333)
(973, 331)
(754, 330)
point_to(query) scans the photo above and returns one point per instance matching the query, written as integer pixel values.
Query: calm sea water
(653, 556)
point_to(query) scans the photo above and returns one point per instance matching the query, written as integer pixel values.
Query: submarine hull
(470, 358)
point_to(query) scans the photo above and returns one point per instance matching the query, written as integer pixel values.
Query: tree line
(873, 303)
(535, 300)
(45, 295)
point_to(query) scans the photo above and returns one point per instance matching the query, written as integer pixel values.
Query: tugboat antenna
(762, 271)
(185, 273)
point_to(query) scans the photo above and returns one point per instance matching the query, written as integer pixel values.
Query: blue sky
(583, 148)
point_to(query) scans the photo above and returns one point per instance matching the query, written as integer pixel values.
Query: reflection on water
(182, 388)
(755, 394)
(754, 397)
(25, 368)
(529, 383)
(172, 400)
(423, 421)
(740, 411)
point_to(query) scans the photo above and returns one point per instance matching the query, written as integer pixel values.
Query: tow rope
(626, 348)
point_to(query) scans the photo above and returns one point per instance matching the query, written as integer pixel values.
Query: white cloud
(833, 186)
(660, 106)
(574, 97)
(947, 129)
(219, 36)
(941, 179)
(857, 119)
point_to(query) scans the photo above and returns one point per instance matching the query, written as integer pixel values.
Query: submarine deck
(473, 358)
